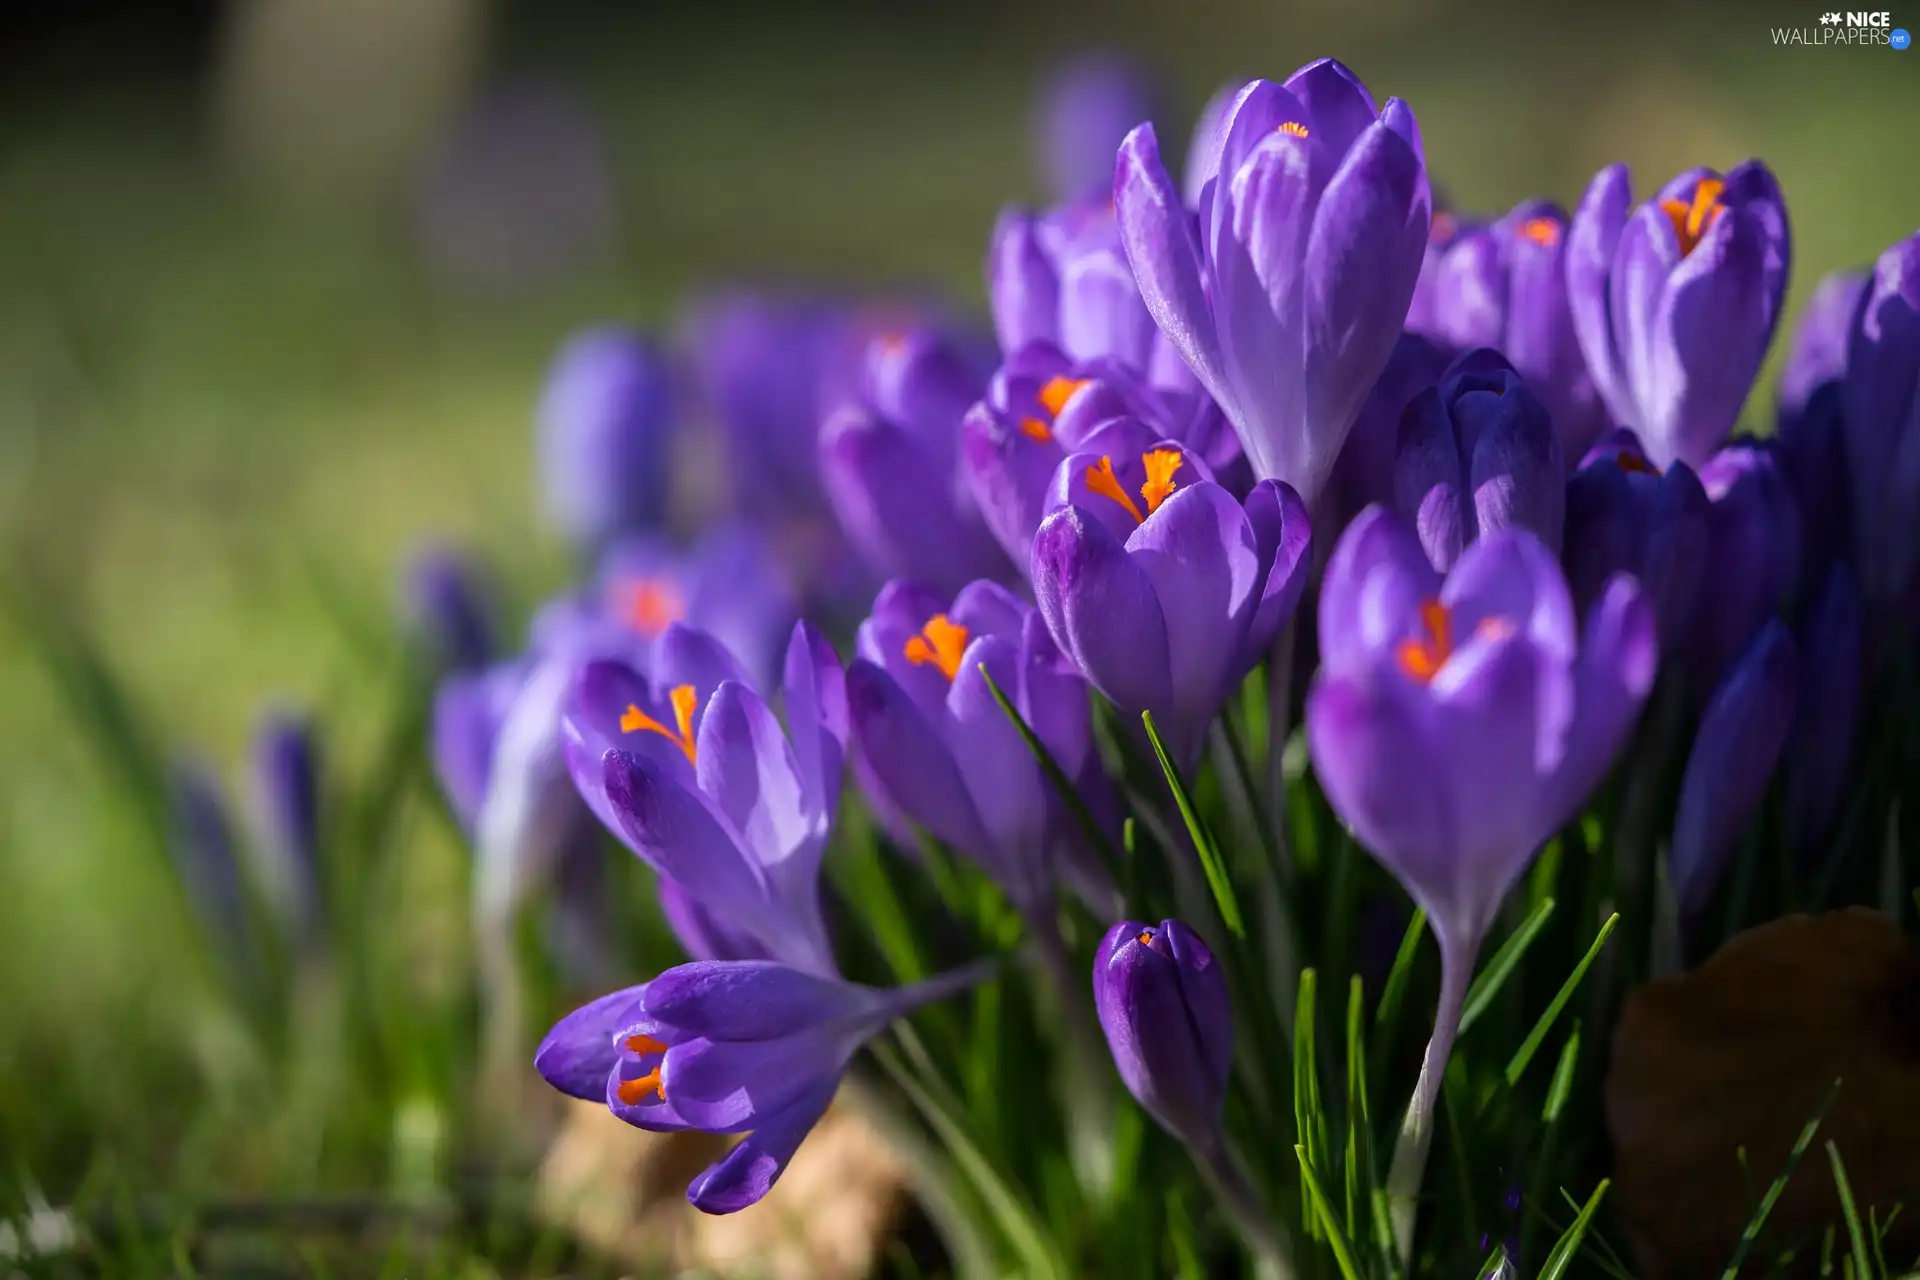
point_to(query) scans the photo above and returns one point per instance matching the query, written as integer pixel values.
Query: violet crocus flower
(285, 780)
(1676, 300)
(1061, 278)
(937, 749)
(1753, 556)
(891, 464)
(606, 419)
(1820, 747)
(1881, 412)
(1456, 723)
(1444, 229)
(1087, 107)
(751, 1047)
(447, 603)
(1478, 454)
(1735, 751)
(1162, 1001)
(200, 842)
(1504, 285)
(1624, 515)
(1363, 474)
(1286, 295)
(1818, 353)
(1162, 587)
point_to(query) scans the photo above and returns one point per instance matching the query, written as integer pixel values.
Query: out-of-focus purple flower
(891, 465)
(1753, 556)
(1504, 285)
(285, 778)
(1624, 515)
(1818, 352)
(204, 861)
(1287, 293)
(937, 749)
(1735, 751)
(1828, 714)
(749, 1047)
(1166, 600)
(468, 710)
(1209, 135)
(1810, 437)
(1162, 1000)
(1088, 106)
(1478, 454)
(606, 423)
(1881, 412)
(1061, 278)
(691, 770)
(1676, 300)
(1444, 229)
(1363, 474)
(446, 602)
(1456, 724)
(702, 934)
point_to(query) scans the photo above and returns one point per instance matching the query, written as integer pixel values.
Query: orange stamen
(648, 605)
(634, 1092)
(1692, 220)
(1633, 462)
(1544, 232)
(1422, 658)
(684, 701)
(645, 1044)
(1144, 936)
(1161, 464)
(1293, 127)
(1101, 480)
(1034, 429)
(940, 643)
(1058, 390)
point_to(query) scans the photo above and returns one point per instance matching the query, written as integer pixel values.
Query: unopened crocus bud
(1478, 454)
(1363, 474)
(286, 807)
(446, 602)
(1741, 736)
(1821, 747)
(1624, 515)
(606, 419)
(1753, 556)
(201, 845)
(1162, 1000)
(1818, 353)
(1881, 410)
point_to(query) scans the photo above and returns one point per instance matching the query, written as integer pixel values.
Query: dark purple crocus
(1881, 412)
(1162, 587)
(1456, 723)
(200, 842)
(1162, 1000)
(752, 1047)
(1820, 748)
(1363, 474)
(1735, 751)
(285, 780)
(1818, 353)
(891, 464)
(1089, 104)
(1286, 294)
(445, 601)
(606, 420)
(1624, 515)
(1504, 285)
(936, 748)
(1445, 228)
(1753, 556)
(1676, 300)
(1478, 454)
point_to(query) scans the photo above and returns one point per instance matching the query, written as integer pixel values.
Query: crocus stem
(1242, 1205)
(1416, 1131)
(1086, 1070)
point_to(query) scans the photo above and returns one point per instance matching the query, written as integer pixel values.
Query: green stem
(1416, 1131)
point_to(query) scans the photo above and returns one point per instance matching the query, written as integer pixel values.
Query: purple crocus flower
(606, 420)
(1818, 353)
(1363, 474)
(1442, 231)
(204, 862)
(1088, 106)
(1881, 412)
(1820, 748)
(446, 601)
(1166, 600)
(1675, 301)
(891, 464)
(1742, 734)
(1061, 278)
(1478, 454)
(936, 748)
(751, 1047)
(1209, 136)
(1753, 556)
(468, 710)
(1624, 515)
(1455, 725)
(1504, 285)
(1286, 295)
(1162, 1000)
(285, 778)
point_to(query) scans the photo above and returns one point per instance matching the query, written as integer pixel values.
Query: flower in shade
(1363, 474)
(1753, 556)
(1287, 293)
(285, 778)
(1504, 285)
(446, 602)
(606, 420)
(1478, 454)
(1624, 515)
(1820, 748)
(1738, 745)
(751, 1047)
(936, 748)
(1088, 106)
(1445, 227)
(1818, 353)
(1676, 300)
(1458, 722)
(1810, 440)
(891, 464)
(201, 846)
(1162, 1000)
(1881, 399)
(1163, 588)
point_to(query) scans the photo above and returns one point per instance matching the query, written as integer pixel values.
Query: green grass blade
(1856, 1238)
(1062, 784)
(1562, 1256)
(1562, 1086)
(1323, 1212)
(1359, 1161)
(1497, 970)
(1765, 1208)
(1306, 1081)
(1531, 1045)
(1395, 992)
(1210, 861)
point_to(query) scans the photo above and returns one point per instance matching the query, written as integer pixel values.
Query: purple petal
(744, 1175)
(909, 758)
(1008, 791)
(729, 1087)
(1281, 531)
(815, 685)
(674, 832)
(1102, 610)
(1513, 576)
(723, 1000)
(1164, 252)
(1619, 657)
(1021, 283)
(1429, 488)
(1593, 235)
(579, 1053)
(1375, 583)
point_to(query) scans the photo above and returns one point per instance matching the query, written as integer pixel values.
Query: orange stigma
(1101, 480)
(1293, 127)
(1144, 937)
(634, 1092)
(645, 1044)
(648, 605)
(1422, 658)
(1635, 464)
(1693, 220)
(1161, 464)
(1544, 232)
(684, 701)
(1441, 229)
(1058, 390)
(940, 644)
(1036, 430)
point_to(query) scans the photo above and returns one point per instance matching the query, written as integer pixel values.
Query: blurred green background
(240, 378)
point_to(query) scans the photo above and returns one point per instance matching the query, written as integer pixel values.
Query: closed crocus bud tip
(1162, 1001)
